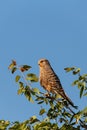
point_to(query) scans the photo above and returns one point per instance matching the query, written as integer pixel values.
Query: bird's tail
(70, 102)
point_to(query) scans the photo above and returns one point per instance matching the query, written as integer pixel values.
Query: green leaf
(26, 67)
(28, 94)
(69, 127)
(68, 69)
(42, 111)
(76, 71)
(84, 111)
(81, 91)
(51, 104)
(86, 120)
(33, 119)
(81, 84)
(31, 99)
(13, 69)
(32, 77)
(39, 98)
(21, 84)
(78, 116)
(40, 102)
(11, 66)
(20, 91)
(83, 77)
(17, 78)
(36, 90)
(85, 94)
(4, 124)
(75, 82)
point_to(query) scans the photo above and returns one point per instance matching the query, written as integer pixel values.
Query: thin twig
(27, 83)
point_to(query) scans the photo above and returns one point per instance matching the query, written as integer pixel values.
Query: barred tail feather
(70, 102)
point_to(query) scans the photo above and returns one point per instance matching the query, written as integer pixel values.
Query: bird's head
(43, 62)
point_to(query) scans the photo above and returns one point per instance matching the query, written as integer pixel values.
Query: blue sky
(30, 30)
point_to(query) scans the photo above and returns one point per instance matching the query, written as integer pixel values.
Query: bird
(50, 81)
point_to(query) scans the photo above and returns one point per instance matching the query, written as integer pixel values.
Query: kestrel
(50, 81)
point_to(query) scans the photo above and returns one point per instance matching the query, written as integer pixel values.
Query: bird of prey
(50, 81)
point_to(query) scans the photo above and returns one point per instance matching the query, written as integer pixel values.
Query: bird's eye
(42, 61)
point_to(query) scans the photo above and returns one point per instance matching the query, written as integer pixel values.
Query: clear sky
(30, 30)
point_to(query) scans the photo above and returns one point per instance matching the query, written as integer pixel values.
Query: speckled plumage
(50, 81)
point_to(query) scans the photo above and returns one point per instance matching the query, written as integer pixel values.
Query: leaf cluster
(57, 115)
(24, 82)
(80, 82)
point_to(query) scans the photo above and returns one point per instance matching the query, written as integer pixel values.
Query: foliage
(81, 82)
(58, 115)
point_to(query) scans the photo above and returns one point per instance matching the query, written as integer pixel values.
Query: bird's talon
(47, 94)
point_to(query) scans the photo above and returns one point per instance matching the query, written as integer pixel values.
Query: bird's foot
(47, 94)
